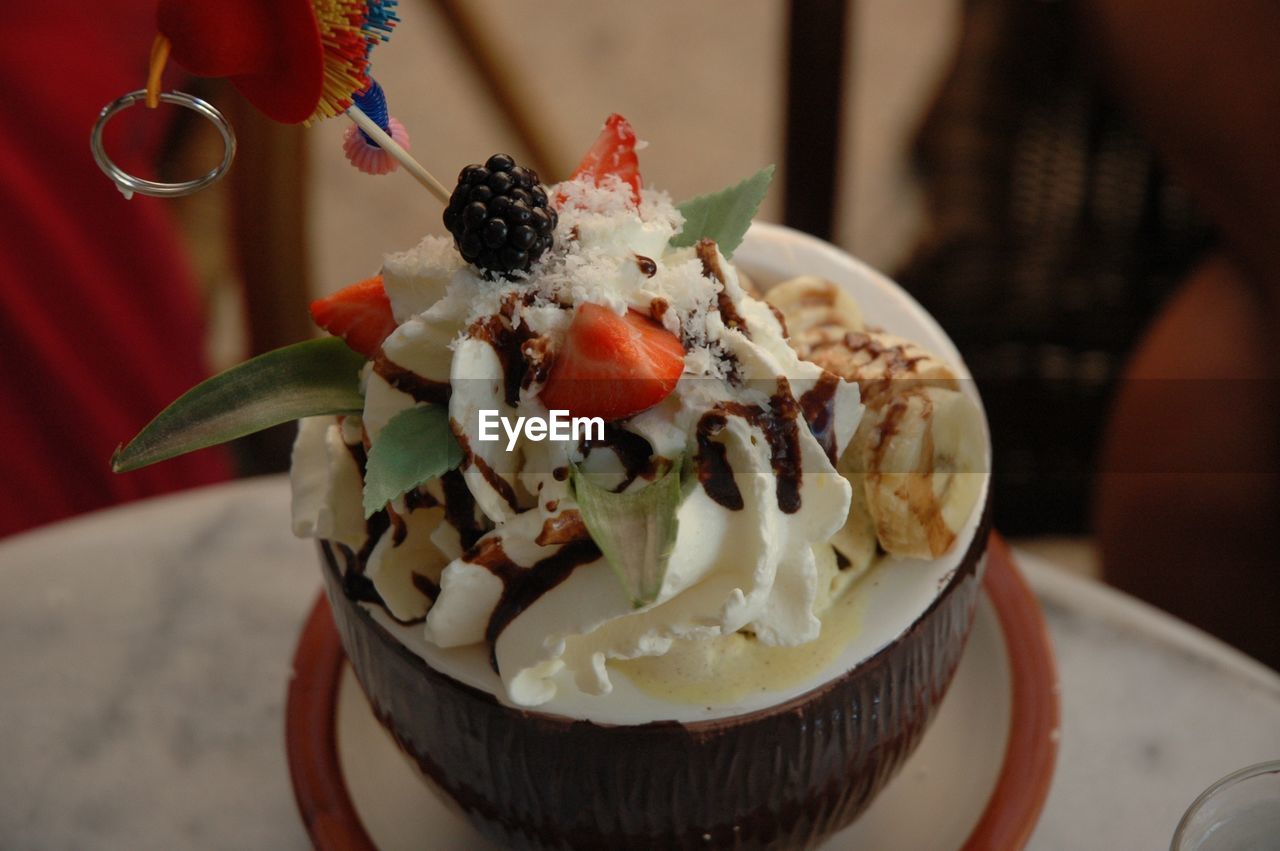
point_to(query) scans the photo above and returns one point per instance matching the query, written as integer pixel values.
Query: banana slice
(923, 460)
(884, 366)
(809, 302)
(916, 462)
(856, 540)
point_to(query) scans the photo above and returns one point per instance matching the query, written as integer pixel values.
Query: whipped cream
(496, 551)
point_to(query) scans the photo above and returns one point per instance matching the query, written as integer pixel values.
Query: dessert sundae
(598, 514)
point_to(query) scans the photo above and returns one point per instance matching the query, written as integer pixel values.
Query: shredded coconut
(600, 240)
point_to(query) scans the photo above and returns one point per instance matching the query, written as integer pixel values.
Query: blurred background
(1018, 166)
(705, 84)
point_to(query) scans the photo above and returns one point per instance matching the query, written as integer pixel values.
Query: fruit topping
(359, 314)
(499, 216)
(612, 366)
(614, 152)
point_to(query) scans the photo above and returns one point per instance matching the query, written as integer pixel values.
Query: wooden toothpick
(402, 156)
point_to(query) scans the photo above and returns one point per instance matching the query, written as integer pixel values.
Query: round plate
(982, 770)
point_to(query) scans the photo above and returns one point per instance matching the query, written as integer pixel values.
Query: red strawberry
(612, 366)
(613, 153)
(359, 314)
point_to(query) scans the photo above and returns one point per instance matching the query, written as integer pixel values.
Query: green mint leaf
(303, 380)
(415, 445)
(723, 216)
(635, 530)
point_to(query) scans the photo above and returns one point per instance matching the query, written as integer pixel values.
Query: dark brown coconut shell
(783, 777)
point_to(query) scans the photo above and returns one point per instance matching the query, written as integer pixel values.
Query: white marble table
(144, 654)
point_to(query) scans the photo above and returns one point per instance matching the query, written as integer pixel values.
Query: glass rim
(1247, 773)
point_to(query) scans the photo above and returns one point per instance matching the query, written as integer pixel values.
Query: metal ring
(127, 183)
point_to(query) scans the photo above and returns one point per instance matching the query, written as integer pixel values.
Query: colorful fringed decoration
(380, 20)
(363, 152)
(346, 54)
(314, 65)
(315, 60)
(349, 30)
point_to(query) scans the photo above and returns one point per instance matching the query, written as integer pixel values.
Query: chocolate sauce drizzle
(782, 320)
(419, 498)
(428, 586)
(460, 508)
(712, 463)
(658, 308)
(507, 343)
(778, 424)
(374, 526)
(522, 587)
(706, 251)
(460, 512)
(525, 358)
(564, 528)
(355, 584)
(634, 452)
(408, 381)
(399, 529)
(359, 455)
(893, 358)
(497, 482)
(825, 297)
(360, 586)
(888, 428)
(538, 358)
(857, 341)
(646, 265)
(818, 405)
(414, 499)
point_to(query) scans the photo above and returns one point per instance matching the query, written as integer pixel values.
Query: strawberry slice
(614, 152)
(360, 314)
(612, 366)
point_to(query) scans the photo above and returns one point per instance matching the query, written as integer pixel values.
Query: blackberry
(499, 216)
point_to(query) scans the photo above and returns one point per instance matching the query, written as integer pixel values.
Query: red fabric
(99, 323)
(270, 49)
